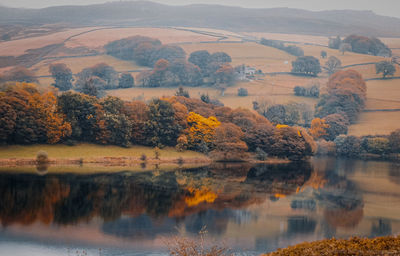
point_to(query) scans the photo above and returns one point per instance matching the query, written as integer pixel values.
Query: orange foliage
(201, 128)
(318, 128)
(199, 196)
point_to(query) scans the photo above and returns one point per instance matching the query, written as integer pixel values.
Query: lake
(251, 209)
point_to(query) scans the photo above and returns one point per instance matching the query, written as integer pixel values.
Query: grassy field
(87, 151)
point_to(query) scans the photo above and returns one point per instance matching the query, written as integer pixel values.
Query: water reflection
(266, 206)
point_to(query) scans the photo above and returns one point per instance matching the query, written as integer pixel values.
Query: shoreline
(128, 161)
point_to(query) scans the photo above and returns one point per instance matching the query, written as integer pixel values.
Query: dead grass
(322, 40)
(18, 47)
(372, 123)
(97, 39)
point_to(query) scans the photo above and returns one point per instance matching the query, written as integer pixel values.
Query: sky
(382, 7)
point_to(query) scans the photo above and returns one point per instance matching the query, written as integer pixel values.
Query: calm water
(252, 209)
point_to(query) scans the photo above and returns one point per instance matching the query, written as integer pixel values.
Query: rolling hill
(143, 13)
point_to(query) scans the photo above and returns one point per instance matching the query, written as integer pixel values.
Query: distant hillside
(282, 20)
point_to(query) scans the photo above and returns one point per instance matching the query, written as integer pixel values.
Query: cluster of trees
(201, 68)
(386, 68)
(145, 51)
(29, 116)
(306, 65)
(352, 146)
(92, 80)
(288, 114)
(360, 44)
(307, 91)
(291, 49)
(346, 96)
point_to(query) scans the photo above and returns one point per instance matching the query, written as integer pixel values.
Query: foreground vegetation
(353, 246)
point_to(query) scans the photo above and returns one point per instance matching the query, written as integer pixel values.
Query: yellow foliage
(199, 196)
(201, 128)
(318, 128)
(280, 126)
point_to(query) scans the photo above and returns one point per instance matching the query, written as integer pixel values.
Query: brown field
(376, 123)
(231, 36)
(275, 89)
(322, 40)
(261, 57)
(97, 39)
(18, 47)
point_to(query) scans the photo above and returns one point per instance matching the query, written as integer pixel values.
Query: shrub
(242, 92)
(261, 154)
(42, 157)
(307, 91)
(157, 153)
(143, 157)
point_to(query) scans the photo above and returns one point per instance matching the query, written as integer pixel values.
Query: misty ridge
(143, 13)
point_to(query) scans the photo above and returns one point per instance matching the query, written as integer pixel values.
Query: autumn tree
(138, 114)
(306, 65)
(386, 68)
(201, 131)
(80, 111)
(161, 128)
(228, 142)
(200, 58)
(292, 143)
(126, 80)
(31, 116)
(318, 128)
(338, 124)
(62, 76)
(394, 139)
(346, 95)
(333, 65)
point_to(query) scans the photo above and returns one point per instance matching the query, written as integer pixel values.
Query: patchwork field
(278, 88)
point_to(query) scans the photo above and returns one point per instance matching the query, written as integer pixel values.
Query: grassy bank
(90, 151)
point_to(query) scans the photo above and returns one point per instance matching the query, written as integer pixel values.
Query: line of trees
(291, 49)
(28, 116)
(352, 146)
